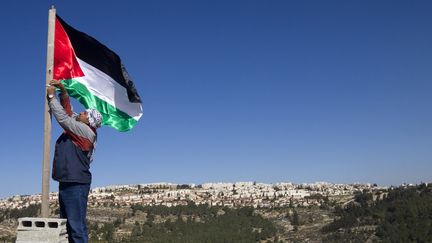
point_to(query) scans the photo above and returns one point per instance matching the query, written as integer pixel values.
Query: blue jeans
(73, 207)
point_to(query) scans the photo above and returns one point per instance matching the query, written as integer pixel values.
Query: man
(73, 154)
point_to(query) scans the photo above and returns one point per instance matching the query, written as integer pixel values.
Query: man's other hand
(51, 91)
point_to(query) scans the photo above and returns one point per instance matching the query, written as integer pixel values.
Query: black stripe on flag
(101, 57)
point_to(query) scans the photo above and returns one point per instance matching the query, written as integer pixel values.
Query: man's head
(91, 117)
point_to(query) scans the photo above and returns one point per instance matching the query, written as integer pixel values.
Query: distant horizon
(295, 183)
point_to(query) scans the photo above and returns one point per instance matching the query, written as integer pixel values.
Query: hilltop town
(239, 194)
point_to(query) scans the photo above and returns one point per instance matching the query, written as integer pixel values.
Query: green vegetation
(295, 220)
(183, 186)
(190, 223)
(30, 211)
(402, 214)
(6, 239)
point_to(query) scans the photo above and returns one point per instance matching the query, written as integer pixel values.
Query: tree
(295, 220)
(108, 232)
(136, 230)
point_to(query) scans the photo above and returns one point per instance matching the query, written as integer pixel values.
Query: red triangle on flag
(66, 65)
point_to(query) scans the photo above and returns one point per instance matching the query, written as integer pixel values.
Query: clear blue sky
(266, 91)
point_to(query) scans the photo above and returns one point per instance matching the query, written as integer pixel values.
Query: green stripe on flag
(111, 115)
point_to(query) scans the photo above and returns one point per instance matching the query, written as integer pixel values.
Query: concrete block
(38, 230)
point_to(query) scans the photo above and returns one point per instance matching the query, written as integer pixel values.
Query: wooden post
(47, 116)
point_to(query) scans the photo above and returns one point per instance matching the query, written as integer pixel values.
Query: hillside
(364, 215)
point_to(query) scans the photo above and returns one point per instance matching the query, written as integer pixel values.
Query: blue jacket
(73, 149)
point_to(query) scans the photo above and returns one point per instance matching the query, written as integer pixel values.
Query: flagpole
(47, 116)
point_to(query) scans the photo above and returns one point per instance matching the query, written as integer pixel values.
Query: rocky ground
(311, 220)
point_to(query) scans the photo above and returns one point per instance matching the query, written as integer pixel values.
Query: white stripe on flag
(108, 90)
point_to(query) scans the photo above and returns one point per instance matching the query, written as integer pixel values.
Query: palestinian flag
(95, 76)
